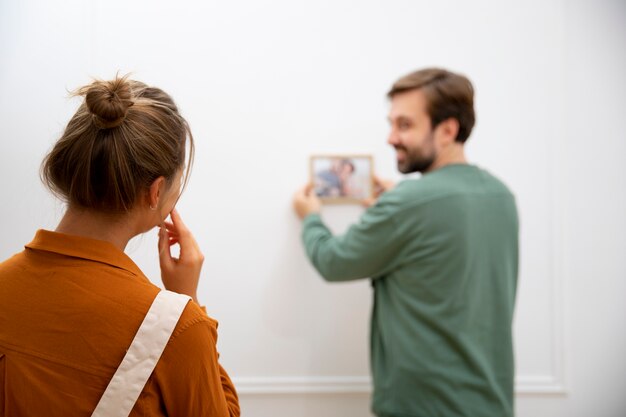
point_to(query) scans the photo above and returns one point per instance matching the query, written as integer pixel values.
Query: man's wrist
(310, 212)
(311, 216)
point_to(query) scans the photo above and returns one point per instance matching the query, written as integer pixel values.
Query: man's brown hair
(448, 95)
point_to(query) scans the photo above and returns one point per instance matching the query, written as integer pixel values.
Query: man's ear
(448, 130)
(155, 192)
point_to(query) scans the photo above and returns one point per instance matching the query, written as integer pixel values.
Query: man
(442, 254)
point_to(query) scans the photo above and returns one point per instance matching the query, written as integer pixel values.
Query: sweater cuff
(311, 219)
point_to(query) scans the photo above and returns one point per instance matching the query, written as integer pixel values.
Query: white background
(266, 84)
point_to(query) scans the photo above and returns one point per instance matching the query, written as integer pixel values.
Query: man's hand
(380, 186)
(305, 202)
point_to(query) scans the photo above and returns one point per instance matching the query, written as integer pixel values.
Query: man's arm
(370, 248)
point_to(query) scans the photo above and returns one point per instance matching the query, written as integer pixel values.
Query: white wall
(266, 85)
(593, 180)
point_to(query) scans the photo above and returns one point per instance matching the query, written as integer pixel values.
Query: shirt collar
(83, 247)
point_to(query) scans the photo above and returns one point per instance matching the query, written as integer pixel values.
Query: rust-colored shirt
(69, 309)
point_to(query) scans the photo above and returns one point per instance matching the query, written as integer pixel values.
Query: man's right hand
(380, 186)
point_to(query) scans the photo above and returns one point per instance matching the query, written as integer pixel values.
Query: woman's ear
(156, 191)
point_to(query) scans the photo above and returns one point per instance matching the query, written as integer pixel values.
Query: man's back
(441, 328)
(442, 253)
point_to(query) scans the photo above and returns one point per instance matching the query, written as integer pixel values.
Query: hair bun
(109, 101)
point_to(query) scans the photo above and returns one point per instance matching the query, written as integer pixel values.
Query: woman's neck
(116, 229)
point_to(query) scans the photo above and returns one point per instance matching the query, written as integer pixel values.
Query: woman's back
(70, 308)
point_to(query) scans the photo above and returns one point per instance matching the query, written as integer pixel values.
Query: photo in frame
(342, 179)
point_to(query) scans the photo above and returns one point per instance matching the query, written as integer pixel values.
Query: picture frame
(342, 178)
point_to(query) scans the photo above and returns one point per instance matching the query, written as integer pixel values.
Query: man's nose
(392, 138)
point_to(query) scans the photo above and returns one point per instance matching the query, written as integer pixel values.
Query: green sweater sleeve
(368, 249)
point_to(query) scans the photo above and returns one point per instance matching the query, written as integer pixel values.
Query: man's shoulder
(415, 191)
(449, 182)
(405, 197)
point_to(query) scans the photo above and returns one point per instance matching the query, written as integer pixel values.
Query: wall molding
(539, 385)
(524, 385)
(304, 385)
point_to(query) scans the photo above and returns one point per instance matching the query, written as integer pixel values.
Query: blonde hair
(123, 136)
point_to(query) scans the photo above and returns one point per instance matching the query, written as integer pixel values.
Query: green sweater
(442, 253)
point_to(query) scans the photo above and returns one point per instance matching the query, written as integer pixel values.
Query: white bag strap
(142, 355)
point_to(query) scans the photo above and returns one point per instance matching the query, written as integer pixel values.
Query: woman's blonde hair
(123, 136)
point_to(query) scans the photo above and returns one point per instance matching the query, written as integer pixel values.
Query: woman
(72, 301)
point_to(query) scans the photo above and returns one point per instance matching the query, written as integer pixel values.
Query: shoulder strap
(142, 355)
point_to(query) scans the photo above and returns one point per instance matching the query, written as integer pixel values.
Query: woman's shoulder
(194, 314)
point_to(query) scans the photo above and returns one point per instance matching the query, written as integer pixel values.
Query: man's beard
(417, 160)
(416, 164)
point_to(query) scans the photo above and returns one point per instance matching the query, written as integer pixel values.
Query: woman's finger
(189, 249)
(171, 230)
(165, 255)
(178, 223)
(172, 234)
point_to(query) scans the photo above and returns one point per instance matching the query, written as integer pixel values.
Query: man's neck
(455, 154)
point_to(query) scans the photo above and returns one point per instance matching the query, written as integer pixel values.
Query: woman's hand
(180, 274)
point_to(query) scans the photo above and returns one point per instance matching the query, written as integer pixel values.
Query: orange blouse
(69, 309)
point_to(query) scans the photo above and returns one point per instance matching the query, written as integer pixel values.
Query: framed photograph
(342, 179)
